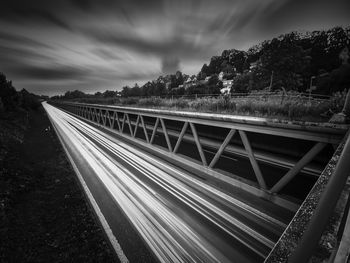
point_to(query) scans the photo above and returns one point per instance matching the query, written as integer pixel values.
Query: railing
(131, 123)
(238, 95)
(298, 242)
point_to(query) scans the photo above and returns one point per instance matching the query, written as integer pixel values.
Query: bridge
(206, 187)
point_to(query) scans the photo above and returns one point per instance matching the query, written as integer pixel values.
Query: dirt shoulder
(44, 214)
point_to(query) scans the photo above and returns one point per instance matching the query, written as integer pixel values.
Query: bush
(2, 108)
(129, 101)
(337, 101)
(151, 102)
(179, 103)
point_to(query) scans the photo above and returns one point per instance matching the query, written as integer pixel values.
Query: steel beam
(298, 166)
(129, 124)
(123, 122)
(324, 208)
(198, 143)
(166, 135)
(252, 159)
(154, 131)
(182, 133)
(144, 129)
(298, 130)
(116, 118)
(222, 148)
(136, 125)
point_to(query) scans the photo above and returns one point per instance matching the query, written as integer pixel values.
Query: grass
(44, 214)
(291, 106)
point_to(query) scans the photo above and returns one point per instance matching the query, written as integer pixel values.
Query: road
(152, 210)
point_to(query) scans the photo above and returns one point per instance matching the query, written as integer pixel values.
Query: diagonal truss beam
(104, 117)
(144, 128)
(116, 118)
(123, 122)
(198, 143)
(298, 166)
(93, 114)
(252, 159)
(154, 131)
(183, 131)
(222, 148)
(109, 119)
(166, 135)
(97, 113)
(129, 124)
(136, 125)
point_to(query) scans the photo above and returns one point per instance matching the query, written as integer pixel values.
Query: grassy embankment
(44, 216)
(290, 106)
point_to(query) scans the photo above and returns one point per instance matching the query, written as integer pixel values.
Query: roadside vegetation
(274, 79)
(44, 216)
(285, 106)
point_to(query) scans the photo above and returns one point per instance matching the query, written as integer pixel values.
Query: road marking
(113, 240)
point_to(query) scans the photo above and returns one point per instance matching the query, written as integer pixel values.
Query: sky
(50, 47)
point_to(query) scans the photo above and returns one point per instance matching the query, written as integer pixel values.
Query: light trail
(180, 218)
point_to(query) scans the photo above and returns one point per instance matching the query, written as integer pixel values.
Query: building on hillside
(226, 90)
(253, 65)
(227, 84)
(221, 75)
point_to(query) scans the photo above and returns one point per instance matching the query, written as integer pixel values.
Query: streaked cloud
(54, 46)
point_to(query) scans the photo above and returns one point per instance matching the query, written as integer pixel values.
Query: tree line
(286, 62)
(12, 100)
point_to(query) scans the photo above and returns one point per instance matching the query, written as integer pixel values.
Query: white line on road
(112, 239)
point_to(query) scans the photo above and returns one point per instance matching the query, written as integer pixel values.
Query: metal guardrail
(305, 96)
(297, 243)
(118, 119)
(324, 208)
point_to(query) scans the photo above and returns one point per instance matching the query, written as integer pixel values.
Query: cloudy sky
(49, 47)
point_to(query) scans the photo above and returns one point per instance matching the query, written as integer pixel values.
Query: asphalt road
(154, 211)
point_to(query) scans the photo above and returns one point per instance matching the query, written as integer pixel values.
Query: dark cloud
(36, 11)
(304, 14)
(170, 65)
(15, 55)
(58, 72)
(14, 39)
(110, 43)
(138, 76)
(175, 45)
(107, 54)
(84, 5)
(40, 14)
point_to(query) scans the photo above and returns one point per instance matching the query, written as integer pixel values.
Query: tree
(8, 94)
(125, 91)
(74, 94)
(286, 59)
(109, 94)
(28, 100)
(204, 72)
(240, 84)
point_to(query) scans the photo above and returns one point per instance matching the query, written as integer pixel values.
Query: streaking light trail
(179, 217)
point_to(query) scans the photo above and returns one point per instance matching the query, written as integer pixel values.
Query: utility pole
(271, 80)
(312, 87)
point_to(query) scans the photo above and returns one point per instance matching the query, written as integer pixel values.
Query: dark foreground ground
(44, 216)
